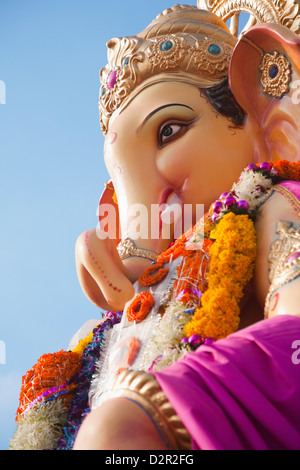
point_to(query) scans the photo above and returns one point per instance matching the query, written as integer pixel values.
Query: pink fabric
(242, 392)
(293, 186)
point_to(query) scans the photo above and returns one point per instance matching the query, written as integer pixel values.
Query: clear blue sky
(51, 170)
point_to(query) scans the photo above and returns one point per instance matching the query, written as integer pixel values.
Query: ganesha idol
(198, 345)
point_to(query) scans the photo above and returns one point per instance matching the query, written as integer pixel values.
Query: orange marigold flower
(175, 250)
(140, 307)
(154, 274)
(51, 370)
(191, 273)
(287, 170)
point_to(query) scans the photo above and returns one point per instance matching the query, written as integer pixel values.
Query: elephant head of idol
(184, 107)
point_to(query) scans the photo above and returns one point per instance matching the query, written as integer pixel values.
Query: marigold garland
(176, 249)
(154, 274)
(232, 258)
(50, 372)
(140, 307)
(191, 274)
(287, 170)
(232, 252)
(83, 344)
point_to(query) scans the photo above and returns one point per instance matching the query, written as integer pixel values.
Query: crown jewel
(183, 44)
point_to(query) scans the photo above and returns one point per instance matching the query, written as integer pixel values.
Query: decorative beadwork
(167, 52)
(212, 55)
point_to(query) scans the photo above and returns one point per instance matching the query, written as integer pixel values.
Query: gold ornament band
(143, 388)
(284, 259)
(127, 249)
(285, 12)
(289, 196)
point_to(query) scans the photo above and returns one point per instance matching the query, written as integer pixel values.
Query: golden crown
(183, 44)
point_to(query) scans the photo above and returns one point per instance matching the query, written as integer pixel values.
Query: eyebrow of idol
(159, 109)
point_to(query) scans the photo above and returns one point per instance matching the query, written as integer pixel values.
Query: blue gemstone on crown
(166, 46)
(125, 61)
(214, 49)
(102, 91)
(273, 71)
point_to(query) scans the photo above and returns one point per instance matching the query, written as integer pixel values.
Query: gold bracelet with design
(127, 249)
(284, 259)
(142, 388)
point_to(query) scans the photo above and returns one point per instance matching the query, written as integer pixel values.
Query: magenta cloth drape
(293, 186)
(241, 392)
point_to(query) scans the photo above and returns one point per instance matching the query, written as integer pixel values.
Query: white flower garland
(251, 186)
(41, 428)
(163, 348)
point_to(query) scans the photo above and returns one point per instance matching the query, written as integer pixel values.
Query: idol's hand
(101, 273)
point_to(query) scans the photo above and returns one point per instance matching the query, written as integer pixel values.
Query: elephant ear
(108, 213)
(264, 77)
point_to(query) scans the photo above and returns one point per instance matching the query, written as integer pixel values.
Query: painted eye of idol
(170, 121)
(171, 131)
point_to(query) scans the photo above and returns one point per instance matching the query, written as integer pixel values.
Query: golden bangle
(143, 388)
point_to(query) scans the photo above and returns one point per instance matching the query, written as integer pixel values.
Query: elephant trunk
(151, 224)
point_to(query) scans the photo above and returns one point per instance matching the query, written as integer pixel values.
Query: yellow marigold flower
(83, 343)
(232, 258)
